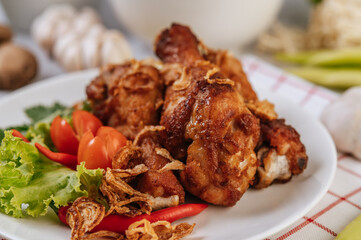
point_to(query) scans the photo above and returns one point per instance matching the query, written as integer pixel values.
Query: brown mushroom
(17, 66)
(5, 33)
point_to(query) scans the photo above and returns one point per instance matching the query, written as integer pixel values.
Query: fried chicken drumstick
(280, 151)
(207, 122)
(211, 119)
(128, 97)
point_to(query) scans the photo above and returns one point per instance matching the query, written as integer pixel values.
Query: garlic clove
(343, 120)
(63, 43)
(44, 26)
(86, 18)
(72, 57)
(91, 46)
(115, 48)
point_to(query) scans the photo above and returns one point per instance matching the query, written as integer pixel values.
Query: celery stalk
(327, 58)
(335, 78)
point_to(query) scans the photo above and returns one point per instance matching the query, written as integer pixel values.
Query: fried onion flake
(173, 164)
(83, 216)
(143, 229)
(122, 198)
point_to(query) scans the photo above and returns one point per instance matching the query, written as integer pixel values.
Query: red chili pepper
(66, 159)
(18, 134)
(118, 223)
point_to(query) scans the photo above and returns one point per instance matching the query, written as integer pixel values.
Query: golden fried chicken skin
(160, 184)
(206, 122)
(280, 152)
(127, 96)
(179, 45)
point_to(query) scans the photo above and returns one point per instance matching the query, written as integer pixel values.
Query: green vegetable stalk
(334, 78)
(352, 231)
(349, 57)
(338, 68)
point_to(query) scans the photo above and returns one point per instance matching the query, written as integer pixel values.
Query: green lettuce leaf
(41, 113)
(29, 182)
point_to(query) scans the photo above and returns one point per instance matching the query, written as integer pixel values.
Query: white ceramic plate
(257, 215)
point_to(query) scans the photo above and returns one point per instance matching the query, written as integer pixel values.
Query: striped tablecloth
(342, 203)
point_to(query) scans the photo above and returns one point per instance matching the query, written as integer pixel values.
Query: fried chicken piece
(232, 69)
(159, 182)
(207, 122)
(127, 96)
(281, 153)
(284, 164)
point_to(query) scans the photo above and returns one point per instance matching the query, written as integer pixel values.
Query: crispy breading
(262, 109)
(143, 229)
(180, 41)
(160, 181)
(207, 123)
(122, 198)
(281, 153)
(232, 69)
(83, 216)
(128, 96)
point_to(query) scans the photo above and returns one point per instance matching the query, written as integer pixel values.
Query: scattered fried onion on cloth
(85, 213)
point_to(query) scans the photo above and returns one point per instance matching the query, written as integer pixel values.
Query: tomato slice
(63, 136)
(93, 152)
(84, 121)
(112, 139)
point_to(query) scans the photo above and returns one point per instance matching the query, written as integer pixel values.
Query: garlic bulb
(343, 120)
(77, 39)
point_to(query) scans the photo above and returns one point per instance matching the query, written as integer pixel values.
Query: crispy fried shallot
(145, 130)
(122, 198)
(183, 82)
(129, 154)
(83, 216)
(263, 109)
(104, 235)
(143, 229)
(173, 164)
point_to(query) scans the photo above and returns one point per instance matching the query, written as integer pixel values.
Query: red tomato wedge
(98, 151)
(97, 145)
(93, 152)
(112, 139)
(63, 136)
(84, 121)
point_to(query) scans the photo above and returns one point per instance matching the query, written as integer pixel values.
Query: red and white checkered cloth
(342, 202)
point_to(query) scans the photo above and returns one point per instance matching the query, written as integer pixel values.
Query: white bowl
(219, 23)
